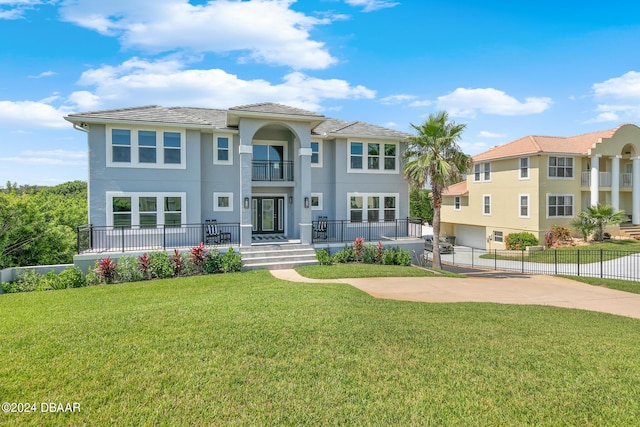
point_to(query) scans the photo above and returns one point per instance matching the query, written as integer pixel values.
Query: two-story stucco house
(262, 171)
(537, 182)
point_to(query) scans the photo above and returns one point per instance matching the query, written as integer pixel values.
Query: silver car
(445, 247)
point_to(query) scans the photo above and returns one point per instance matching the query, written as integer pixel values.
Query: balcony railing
(130, 239)
(272, 171)
(605, 179)
(340, 231)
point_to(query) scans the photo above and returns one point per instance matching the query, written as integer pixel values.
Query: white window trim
(573, 205)
(495, 236)
(135, 163)
(365, 209)
(218, 208)
(320, 152)
(520, 196)
(135, 207)
(484, 196)
(459, 203)
(481, 167)
(520, 177)
(215, 149)
(562, 177)
(365, 157)
(320, 202)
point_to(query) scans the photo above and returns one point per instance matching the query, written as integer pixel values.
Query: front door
(268, 215)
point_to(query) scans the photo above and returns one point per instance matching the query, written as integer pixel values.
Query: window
(524, 206)
(222, 153)
(486, 204)
(498, 237)
(356, 155)
(560, 167)
(560, 205)
(374, 207)
(316, 201)
(145, 148)
(223, 202)
(121, 145)
(524, 168)
(380, 158)
(456, 203)
(482, 172)
(172, 148)
(316, 154)
(145, 210)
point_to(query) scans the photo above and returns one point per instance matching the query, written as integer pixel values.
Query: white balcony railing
(626, 179)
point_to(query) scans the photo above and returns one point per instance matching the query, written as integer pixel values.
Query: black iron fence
(92, 238)
(339, 231)
(609, 264)
(272, 171)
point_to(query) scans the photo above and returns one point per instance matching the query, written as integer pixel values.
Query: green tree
(435, 156)
(420, 205)
(604, 215)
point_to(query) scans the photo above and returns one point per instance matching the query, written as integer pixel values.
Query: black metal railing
(272, 171)
(342, 231)
(608, 264)
(92, 238)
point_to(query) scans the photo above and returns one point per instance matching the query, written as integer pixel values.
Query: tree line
(38, 223)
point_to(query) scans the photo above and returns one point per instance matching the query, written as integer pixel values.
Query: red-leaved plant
(143, 264)
(106, 269)
(379, 251)
(176, 259)
(358, 245)
(198, 255)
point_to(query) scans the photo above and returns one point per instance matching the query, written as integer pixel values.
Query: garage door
(472, 236)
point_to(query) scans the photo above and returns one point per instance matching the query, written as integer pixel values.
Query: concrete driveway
(504, 288)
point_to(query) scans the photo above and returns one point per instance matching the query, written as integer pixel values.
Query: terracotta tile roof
(579, 144)
(459, 189)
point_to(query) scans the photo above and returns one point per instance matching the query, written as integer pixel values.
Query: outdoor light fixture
(290, 199)
(246, 203)
(306, 202)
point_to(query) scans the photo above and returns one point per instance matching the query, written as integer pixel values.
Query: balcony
(605, 179)
(263, 170)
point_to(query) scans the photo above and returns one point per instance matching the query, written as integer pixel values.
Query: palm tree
(434, 155)
(584, 224)
(603, 215)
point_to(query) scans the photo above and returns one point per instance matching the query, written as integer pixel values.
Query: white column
(615, 182)
(635, 205)
(595, 181)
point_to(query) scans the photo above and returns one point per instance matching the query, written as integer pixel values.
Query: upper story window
(222, 150)
(482, 172)
(316, 154)
(486, 204)
(456, 203)
(145, 148)
(380, 157)
(524, 206)
(559, 205)
(524, 168)
(560, 167)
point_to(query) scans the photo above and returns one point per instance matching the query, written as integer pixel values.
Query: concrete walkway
(511, 289)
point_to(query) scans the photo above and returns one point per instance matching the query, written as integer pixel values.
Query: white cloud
(140, 82)
(43, 74)
(487, 134)
(615, 113)
(468, 102)
(371, 5)
(473, 147)
(266, 31)
(15, 9)
(425, 103)
(626, 86)
(626, 89)
(397, 99)
(32, 114)
(48, 158)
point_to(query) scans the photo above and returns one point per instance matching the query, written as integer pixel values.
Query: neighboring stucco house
(536, 182)
(267, 169)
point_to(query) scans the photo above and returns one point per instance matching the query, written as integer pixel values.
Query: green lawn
(341, 271)
(248, 349)
(621, 285)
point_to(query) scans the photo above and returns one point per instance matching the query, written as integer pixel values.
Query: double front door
(268, 215)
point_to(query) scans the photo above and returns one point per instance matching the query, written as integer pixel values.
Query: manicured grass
(343, 271)
(621, 285)
(248, 349)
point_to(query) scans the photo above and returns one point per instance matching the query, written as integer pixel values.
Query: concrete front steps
(276, 257)
(632, 231)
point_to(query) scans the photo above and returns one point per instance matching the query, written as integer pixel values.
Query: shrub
(344, 256)
(27, 281)
(379, 252)
(560, 234)
(198, 255)
(72, 277)
(396, 256)
(177, 263)
(519, 241)
(143, 265)
(357, 248)
(323, 257)
(53, 282)
(389, 256)
(159, 265)
(231, 261)
(213, 262)
(128, 270)
(369, 254)
(106, 269)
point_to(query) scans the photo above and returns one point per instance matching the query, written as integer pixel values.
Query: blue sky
(506, 69)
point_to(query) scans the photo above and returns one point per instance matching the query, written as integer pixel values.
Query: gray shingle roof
(273, 108)
(150, 113)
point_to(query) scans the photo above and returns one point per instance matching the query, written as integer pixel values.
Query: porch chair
(213, 233)
(320, 228)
